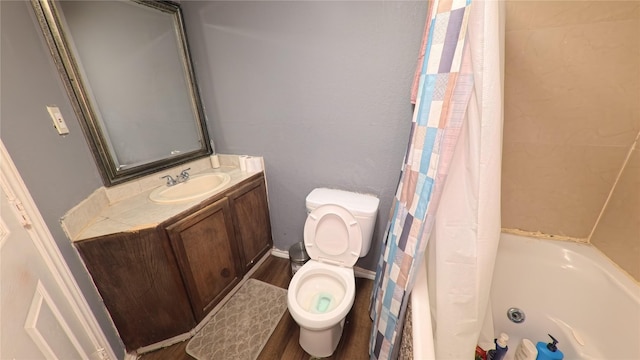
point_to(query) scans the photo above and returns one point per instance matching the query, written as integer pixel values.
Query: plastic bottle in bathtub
(526, 351)
(501, 348)
(549, 351)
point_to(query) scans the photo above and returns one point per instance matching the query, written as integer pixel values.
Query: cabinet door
(251, 221)
(207, 255)
(138, 278)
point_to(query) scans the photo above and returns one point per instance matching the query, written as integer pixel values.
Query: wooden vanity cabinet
(160, 282)
(139, 281)
(251, 221)
(207, 252)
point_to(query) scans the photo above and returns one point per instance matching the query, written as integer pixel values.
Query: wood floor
(283, 343)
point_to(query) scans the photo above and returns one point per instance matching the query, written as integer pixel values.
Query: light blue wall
(58, 171)
(319, 88)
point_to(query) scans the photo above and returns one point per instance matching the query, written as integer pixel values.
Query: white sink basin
(198, 186)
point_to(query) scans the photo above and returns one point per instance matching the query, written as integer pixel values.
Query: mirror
(127, 69)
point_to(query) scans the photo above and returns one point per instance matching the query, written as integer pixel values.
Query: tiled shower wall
(572, 117)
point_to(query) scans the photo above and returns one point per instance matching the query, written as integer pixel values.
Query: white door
(39, 316)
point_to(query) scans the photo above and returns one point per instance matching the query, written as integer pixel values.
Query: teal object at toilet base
(322, 303)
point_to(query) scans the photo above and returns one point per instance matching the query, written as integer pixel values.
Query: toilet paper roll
(243, 162)
(254, 164)
(215, 162)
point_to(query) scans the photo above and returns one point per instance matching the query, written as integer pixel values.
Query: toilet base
(321, 343)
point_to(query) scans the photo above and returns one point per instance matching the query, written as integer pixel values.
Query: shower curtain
(449, 191)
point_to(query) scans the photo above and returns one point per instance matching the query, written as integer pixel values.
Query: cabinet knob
(225, 272)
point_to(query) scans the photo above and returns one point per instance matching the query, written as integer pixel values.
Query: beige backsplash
(572, 116)
(617, 233)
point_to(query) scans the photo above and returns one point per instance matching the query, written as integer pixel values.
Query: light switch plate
(58, 120)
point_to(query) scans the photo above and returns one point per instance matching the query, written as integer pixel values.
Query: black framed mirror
(126, 67)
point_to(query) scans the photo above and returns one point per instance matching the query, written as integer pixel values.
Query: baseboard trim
(164, 343)
(280, 253)
(130, 356)
(364, 273)
(358, 271)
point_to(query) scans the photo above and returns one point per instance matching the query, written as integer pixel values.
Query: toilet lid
(333, 235)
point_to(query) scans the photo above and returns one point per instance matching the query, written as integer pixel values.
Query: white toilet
(338, 230)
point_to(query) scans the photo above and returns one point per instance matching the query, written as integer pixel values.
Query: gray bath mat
(244, 324)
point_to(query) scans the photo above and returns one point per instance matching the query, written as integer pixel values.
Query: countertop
(99, 215)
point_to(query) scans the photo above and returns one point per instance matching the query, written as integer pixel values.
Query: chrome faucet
(184, 175)
(180, 178)
(170, 180)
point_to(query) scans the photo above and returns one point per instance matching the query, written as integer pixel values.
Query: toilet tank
(363, 207)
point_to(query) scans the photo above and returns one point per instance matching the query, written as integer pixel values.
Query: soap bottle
(526, 351)
(501, 348)
(549, 351)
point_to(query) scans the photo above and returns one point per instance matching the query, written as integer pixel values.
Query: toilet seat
(312, 271)
(332, 235)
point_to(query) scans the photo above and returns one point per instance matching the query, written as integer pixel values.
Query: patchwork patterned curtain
(443, 92)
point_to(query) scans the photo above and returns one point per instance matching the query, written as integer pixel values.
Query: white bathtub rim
(423, 331)
(610, 269)
(569, 256)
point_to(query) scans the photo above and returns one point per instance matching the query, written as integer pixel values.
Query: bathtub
(569, 290)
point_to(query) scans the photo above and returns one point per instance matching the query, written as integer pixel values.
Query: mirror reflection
(127, 68)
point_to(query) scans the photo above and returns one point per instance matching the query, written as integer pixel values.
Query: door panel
(38, 317)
